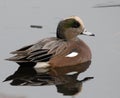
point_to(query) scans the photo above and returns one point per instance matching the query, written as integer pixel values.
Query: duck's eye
(76, 24)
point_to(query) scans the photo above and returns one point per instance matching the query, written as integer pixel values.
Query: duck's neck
(65, 36)
(60, 35)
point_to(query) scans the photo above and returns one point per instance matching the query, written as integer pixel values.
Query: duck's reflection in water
(64, 78)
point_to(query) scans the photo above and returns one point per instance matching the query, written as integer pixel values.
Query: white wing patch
(72, 54)
(41, 65)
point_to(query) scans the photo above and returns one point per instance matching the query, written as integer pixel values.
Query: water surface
(16, 16)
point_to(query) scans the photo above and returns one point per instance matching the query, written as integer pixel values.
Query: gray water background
(16, 16)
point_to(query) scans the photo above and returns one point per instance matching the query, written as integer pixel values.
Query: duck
(66, 49)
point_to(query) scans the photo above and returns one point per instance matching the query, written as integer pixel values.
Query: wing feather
(39, 52)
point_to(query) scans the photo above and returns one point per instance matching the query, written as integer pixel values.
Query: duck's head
(70, 28)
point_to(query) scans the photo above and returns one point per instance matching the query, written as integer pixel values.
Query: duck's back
(38, 52)
(55, 51)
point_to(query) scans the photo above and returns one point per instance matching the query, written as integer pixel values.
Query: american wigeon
(66, 49)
